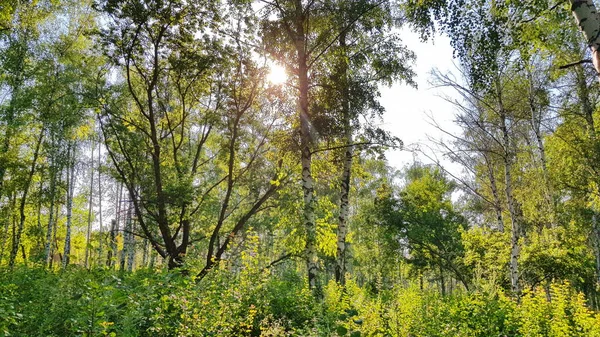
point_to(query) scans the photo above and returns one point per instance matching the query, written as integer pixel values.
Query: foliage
(146, 303)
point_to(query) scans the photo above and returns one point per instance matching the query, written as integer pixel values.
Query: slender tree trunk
(50, 228)
(127, 242)
(101, 229)
(4, 238)
(70, 191)
(596, 242)
(515, 230)
(442, 281)
(495, 194)
(131, 244)
(342, 230)
(118, 207)
(536, 125)
(11, 208)
(152, 258)
(54, 242)
(112, 251)
(17, 239)
(512, 209)
(588, 20)
(23, 255)
(145, 254)
(39, 240)
(13, 217)
(308, 213)
(89, 219)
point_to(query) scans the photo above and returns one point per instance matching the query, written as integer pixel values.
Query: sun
(277, 74)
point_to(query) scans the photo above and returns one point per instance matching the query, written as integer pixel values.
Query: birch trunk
(38, 242)
(112, 251)
(48, 248)
(89, 219)
(342, 230)
(130, 248)
(70, 190)
(495, 194)
(145, 254)
(536, 127)
(514, 219)
(308, 212)
(100, 245)
(54, 242)
(588, 21)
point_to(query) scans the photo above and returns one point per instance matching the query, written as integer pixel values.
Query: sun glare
(277, 74)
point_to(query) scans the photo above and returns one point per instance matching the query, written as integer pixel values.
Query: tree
(426, 226)
(191, 119)
(366, 55)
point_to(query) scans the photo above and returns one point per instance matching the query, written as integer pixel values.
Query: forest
(218, 168)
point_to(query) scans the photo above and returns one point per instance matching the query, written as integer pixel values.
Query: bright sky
(407, 108)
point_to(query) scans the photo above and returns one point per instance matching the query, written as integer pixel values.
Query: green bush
(76, 302)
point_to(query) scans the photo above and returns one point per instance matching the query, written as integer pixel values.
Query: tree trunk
(131, 244)
(89, 219)
(588, 21)
(11, 207)
(39, 241)
(152, 259)
(514, 218)
(4, 238)
(145, 254)
(495, 194)
(342, 230)
(442, 281)
(596, 242)
(308, 212)
(70, 191)
(54, 242)
(112, 251)
(101, 229)
(127, 253)
(48, 248)
(17, 239)
(536, 125)
(119, 207)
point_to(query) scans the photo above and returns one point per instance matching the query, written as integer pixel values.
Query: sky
(408, 109)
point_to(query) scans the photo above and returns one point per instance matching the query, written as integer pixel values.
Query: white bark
(306, 139)
(89, 220)
(70, 191)
(100, 245)
(342, 230)
(588, 21)
(130, 243)
(51, 225)
(145, 254)
(512, 207)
